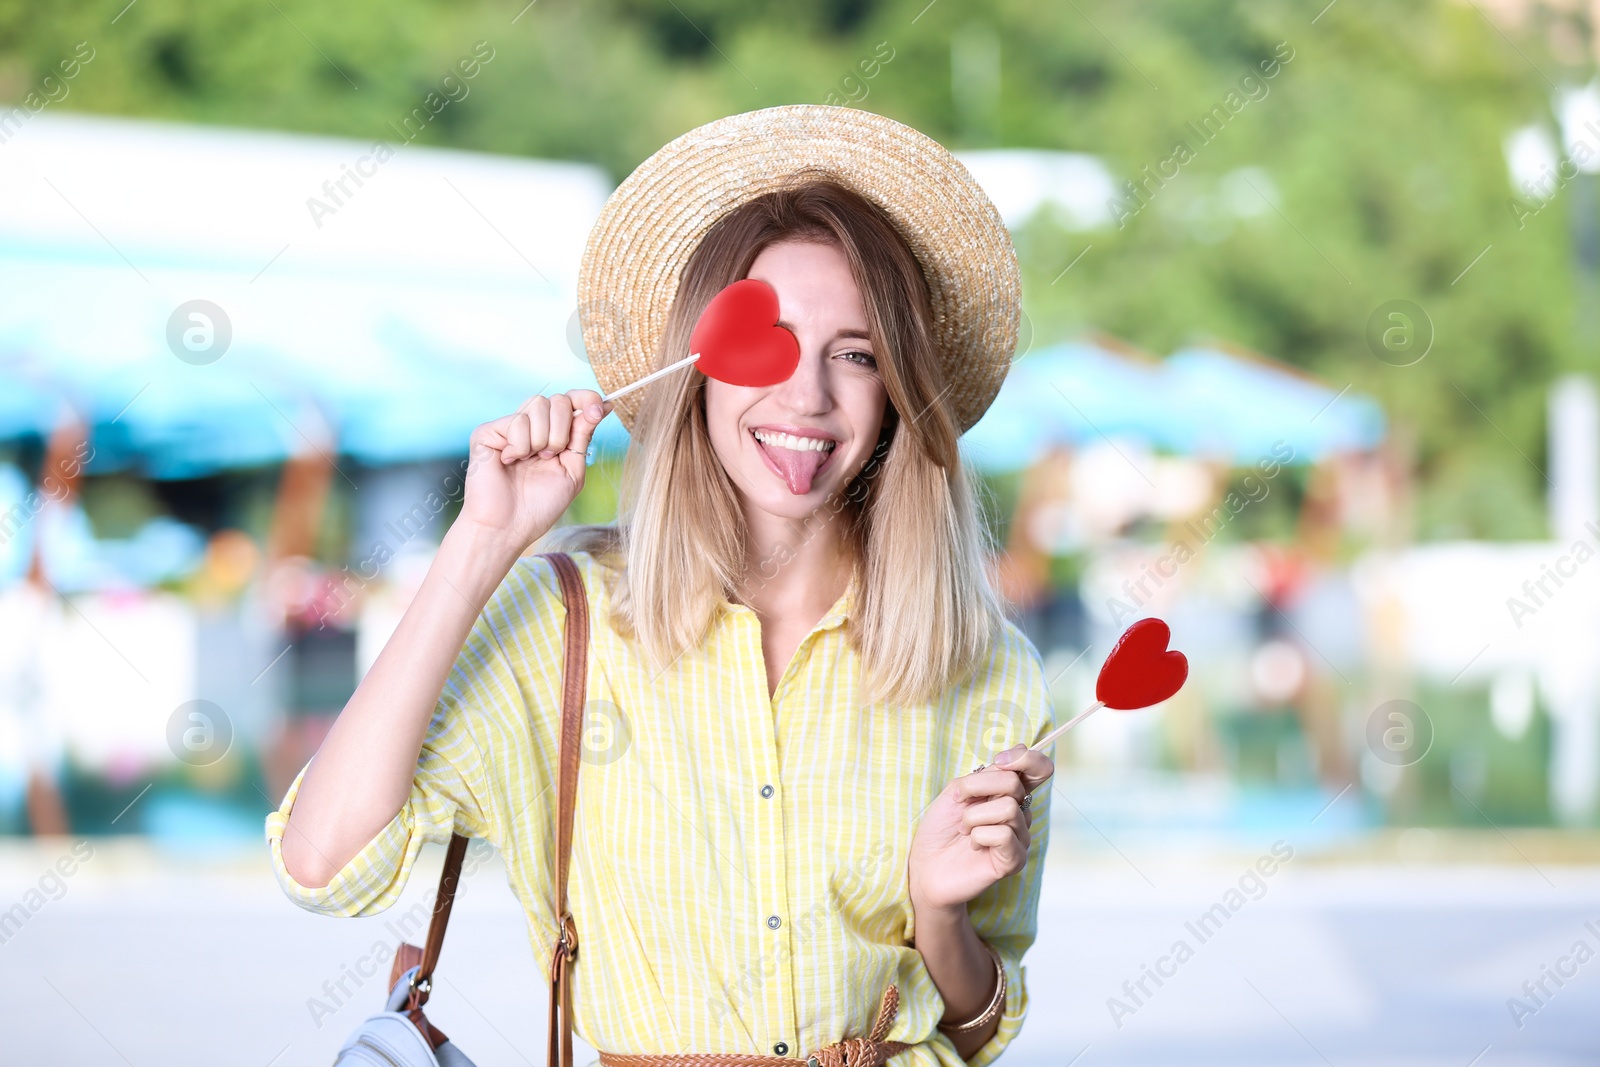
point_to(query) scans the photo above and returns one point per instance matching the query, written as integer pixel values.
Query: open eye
(865, 359)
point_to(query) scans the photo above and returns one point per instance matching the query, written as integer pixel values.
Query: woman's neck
(794, 568)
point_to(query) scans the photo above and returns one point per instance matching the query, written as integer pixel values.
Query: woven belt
(870, 1051)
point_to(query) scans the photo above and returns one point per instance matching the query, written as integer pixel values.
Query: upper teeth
(798, 444)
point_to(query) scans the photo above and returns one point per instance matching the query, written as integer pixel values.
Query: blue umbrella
(1200, 401)
(435, 298)
(91, 336)
(427, 402)
(1247, 407)
(177, 420)
(409, 364)
(1070, 394)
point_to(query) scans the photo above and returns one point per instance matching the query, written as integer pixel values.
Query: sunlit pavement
(149, 957)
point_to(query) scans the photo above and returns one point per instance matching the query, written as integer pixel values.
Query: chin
(783, 504)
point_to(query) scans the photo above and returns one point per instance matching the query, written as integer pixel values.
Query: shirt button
(781, 1049)
(774, 922)
(766, 791)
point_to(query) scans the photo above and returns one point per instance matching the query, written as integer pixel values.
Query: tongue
(798, 467)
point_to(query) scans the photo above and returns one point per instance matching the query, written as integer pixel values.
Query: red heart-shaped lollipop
(1140, 670)
(737, 340)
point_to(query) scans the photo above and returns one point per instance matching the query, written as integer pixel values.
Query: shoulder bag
(401, 1035)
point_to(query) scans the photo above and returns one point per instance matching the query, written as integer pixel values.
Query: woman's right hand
(526, 468)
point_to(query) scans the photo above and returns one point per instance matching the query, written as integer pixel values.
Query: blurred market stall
(184, 303)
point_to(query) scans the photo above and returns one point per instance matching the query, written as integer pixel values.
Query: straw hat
(656, 218)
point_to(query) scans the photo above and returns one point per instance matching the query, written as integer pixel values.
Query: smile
(794, 443)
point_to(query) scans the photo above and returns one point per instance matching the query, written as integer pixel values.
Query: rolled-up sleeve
(481, 721)
(440, 803)
(370, 882)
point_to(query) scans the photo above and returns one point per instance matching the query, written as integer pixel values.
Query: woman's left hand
(976, 831)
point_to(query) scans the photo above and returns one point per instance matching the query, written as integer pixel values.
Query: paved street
(190, 962)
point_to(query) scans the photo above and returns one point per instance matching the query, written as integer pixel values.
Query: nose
(807, 390)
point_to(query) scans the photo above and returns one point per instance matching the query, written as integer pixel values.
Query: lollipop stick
(1058, 731)
(652, 376)
(1063, 728)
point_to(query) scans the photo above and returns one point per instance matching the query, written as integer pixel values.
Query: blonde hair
(927, 611)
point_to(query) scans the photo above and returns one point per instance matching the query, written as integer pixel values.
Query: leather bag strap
(443, 900)
(575, 682)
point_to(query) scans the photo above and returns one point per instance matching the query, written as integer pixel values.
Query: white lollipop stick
(1058, 731)
(1063, 728)
(1053, 735)
(652, 376)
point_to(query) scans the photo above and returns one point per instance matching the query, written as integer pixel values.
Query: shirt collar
(842, 608)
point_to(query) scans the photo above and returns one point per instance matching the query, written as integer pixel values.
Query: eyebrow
(861, 334)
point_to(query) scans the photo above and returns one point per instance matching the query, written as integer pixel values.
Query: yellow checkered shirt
(739, 861)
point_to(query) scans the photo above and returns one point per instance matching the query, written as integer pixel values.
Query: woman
(796, 654)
